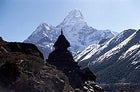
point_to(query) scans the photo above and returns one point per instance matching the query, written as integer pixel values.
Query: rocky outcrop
(25, 48)
(22, 69)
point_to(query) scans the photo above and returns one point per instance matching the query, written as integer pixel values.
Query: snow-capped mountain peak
(45, 25)
(74, 17)
(75, 29)
(76, 14)
(40, 32)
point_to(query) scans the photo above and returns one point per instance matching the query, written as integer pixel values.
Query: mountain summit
(74, 17)
(75, 29)
(41, 31)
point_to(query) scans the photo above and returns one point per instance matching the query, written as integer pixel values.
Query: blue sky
(19, 18)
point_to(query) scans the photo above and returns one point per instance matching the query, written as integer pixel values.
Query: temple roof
(61, 42)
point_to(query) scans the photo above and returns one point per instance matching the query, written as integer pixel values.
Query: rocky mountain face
(117, 61)
(22, 69)
(122, 62)
(94, 51)
(75, 29)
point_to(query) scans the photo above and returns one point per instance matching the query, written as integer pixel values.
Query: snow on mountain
(121, 63)
(114, 61)
(73, 18)
(44, 37)
(79, 33)
(119, 47)
(129, 52)
(41, 32)
(76, 30)
(87, 52)
(95, 52)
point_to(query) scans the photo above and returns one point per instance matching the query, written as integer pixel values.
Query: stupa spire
(62, 42)
(61, 32)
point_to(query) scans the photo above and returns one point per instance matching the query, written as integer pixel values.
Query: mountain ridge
(76, 31)
(106, 47)
(118, 60)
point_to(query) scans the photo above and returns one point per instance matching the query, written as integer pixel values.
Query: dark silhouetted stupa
(62, 42)
(62, 58)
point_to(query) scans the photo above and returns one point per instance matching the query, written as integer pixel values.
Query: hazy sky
(19, 18)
